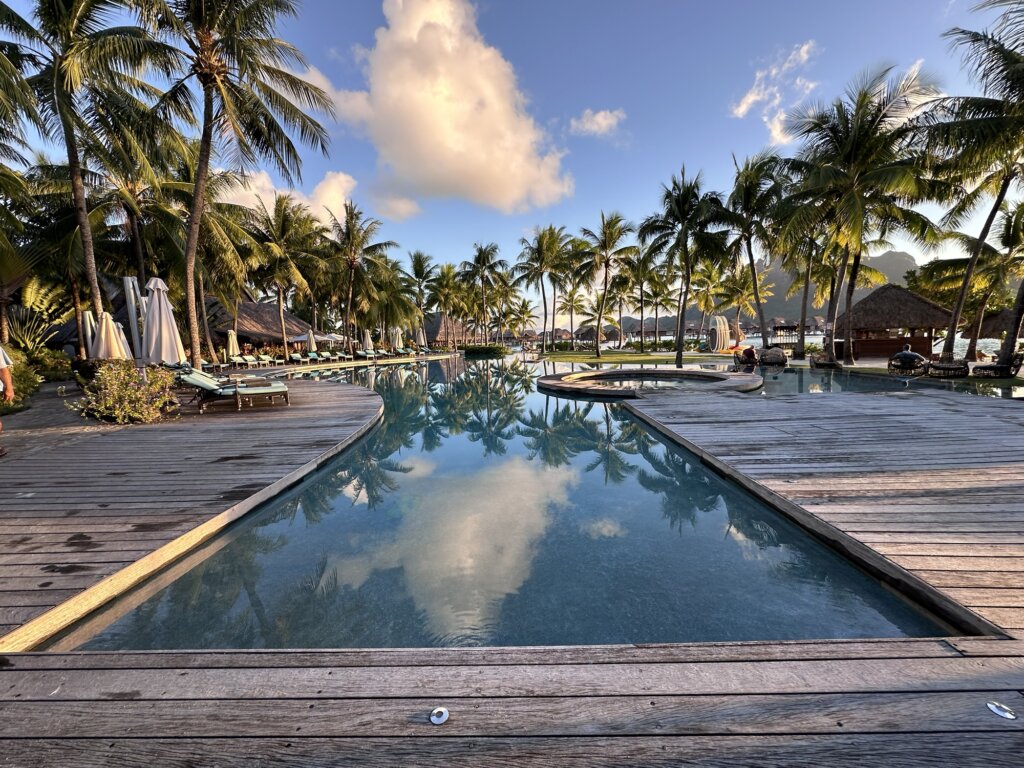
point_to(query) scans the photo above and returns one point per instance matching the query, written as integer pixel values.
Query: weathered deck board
(931, 481)
(83, 502)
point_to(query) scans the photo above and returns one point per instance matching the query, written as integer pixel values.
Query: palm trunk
(234, 320)
(757, 295)
(965, 286)
(195, 221)
(544, 300)
(972, 345)
(641, 318)
(76, 300)
(572, 327)
(78, 196)
(621, 334)
(206, 321)
(600, 311)
(799, 353)
(348, 318)
(684, 299)
(851, 286)
(833, 305)
(140, 257)
(280, 316)
(5, 332)
(1009, 345)
(657, 308)
(554, 311)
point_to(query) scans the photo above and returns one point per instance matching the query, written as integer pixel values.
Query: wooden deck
(847, 459)
(84, 504)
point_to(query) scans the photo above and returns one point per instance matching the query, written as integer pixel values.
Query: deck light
(440, 715)
(994, 706)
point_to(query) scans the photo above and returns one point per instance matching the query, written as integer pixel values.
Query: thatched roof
(562, 335)
(993, 326)
(256, 321)
(437, 331)
(893, 306)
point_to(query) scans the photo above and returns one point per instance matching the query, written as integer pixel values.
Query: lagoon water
(483, 513)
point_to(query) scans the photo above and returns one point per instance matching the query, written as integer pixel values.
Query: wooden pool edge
(878, 565)
(45, 627)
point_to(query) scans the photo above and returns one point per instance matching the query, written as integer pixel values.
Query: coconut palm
(482, 269)
(291, 240)
(688, 216)
(604, 254)
(572, 303)
(421, 271)
(1011, 237)
(642, 269)
(251, 98)
(355, 255)
(597, 315)
(758, 188)
(81, 69)
(444, 295)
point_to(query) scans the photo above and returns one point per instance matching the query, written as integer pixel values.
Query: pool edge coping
(47, 626)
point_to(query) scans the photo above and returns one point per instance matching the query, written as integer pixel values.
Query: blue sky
(672, 73)
(475, 120)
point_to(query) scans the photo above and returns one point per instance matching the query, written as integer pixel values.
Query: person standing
(6, 387)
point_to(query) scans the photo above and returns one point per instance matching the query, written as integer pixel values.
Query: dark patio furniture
(996, 371)
(948, 369)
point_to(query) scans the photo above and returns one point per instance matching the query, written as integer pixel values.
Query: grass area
(615, 357)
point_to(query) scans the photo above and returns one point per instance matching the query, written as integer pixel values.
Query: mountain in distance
(893, 264)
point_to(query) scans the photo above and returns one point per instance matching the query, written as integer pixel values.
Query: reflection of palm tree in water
(609, 444)
(685, 489)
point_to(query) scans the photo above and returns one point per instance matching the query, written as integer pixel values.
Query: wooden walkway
(933, 482)
(81, 503)
(847, 458)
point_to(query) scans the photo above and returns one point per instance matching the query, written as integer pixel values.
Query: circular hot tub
(630, 382)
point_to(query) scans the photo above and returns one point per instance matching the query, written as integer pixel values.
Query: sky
(465, 121)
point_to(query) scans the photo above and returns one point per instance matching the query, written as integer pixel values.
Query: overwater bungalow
(890, 317)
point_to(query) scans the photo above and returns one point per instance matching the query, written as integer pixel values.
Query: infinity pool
(483, 513)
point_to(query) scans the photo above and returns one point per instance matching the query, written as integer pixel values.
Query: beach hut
(889, 317)
(994, 326)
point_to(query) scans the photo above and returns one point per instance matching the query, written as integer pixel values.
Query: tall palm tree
(251, 98)
(758, 188)
(444, 294)
(1011, 236)
(861, 165)
(482, 269)
(572, 303)
(605, 254)
(983, 135)
(686, 219)
(83, 68)
(421, 271)
(291, 239)
(356, 255)
(642, 269)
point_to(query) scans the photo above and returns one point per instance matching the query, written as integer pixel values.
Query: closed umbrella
(233, 350)
(161, 342)
(88, 330)
(396, 338)
(123, 338)
(421, 338)
(107, 344)
(311, 341)
(367, 342)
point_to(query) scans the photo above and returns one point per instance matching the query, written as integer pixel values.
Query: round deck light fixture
(439, 715)
(1002, 710)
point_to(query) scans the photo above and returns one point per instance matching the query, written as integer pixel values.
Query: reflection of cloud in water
(352, 490)
(605, 528)
(419, 466)
(465, 542)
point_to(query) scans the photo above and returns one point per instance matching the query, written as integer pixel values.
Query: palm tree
(83, 68)
(1011, 236)
(251, 99)
(642, 269)
(291, 239)
(355, 254)
(539, 258)
(860, 163)
(522, 314)
(444, 295)
(596, 315)
(421, 271)
(708, 275)
(681, 227)
(757, 190)
(482, 269)
(604, 255)
(572, 303)
(984, 135)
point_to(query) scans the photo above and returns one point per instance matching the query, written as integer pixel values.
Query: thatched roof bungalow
(994, 326)
(562, 335)
(258, 323)
(891, 316)
(439, 332)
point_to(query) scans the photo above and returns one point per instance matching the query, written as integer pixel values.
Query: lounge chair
(238, 361)
(996, 371)
(213, 366)
(254, 361)
(907, 366)
(295, 357)
(270, 361)
(773, 356)
(212, 391)
(366, 354)
(327, 357)
(948, 369)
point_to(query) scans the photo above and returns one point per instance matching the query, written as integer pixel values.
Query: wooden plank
(723, 678)
(519, 717)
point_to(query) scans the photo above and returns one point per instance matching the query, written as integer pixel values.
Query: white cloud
(774, 84)
(396, 207)
(331, 192)
(445, 113)
(600, 123)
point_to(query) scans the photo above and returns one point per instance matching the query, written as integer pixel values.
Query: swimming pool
(482, 512)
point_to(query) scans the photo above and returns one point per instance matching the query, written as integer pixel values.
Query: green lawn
(616, 357)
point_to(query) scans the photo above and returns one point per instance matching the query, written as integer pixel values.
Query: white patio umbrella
(233, 350)
(311, 341)
(367, 342)
(107, 344)
(421, 338)
(396, 338)
(88, 330)
(124, 339)
(161, 342)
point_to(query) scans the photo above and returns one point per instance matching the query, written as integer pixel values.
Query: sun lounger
(948, 369)
(270, 361)
(238, 362)
(907, 366)
(996, 371)
(253, 361)
(208, 391)
(213, 366)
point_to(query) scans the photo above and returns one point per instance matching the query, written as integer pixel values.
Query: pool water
(484, 513)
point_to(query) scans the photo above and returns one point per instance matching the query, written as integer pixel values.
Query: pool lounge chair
(948, 369)
(213, 366)
(212, 391)
(366, 354)
(907, 366)
(237, 361)
(996, 371)
(253, 360)
(327, 357)
(271, 361)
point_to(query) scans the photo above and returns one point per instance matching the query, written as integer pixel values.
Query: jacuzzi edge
(876, 564)
(60, 618)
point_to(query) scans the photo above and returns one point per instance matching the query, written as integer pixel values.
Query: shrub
(120, 394)
(51, 364)
(26, 382)
(812, 349)
(486, 350)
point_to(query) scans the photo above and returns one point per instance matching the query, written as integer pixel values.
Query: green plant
(26, 382)
(812, 349)
(51, 364)
(122, 394)
(486, 350)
